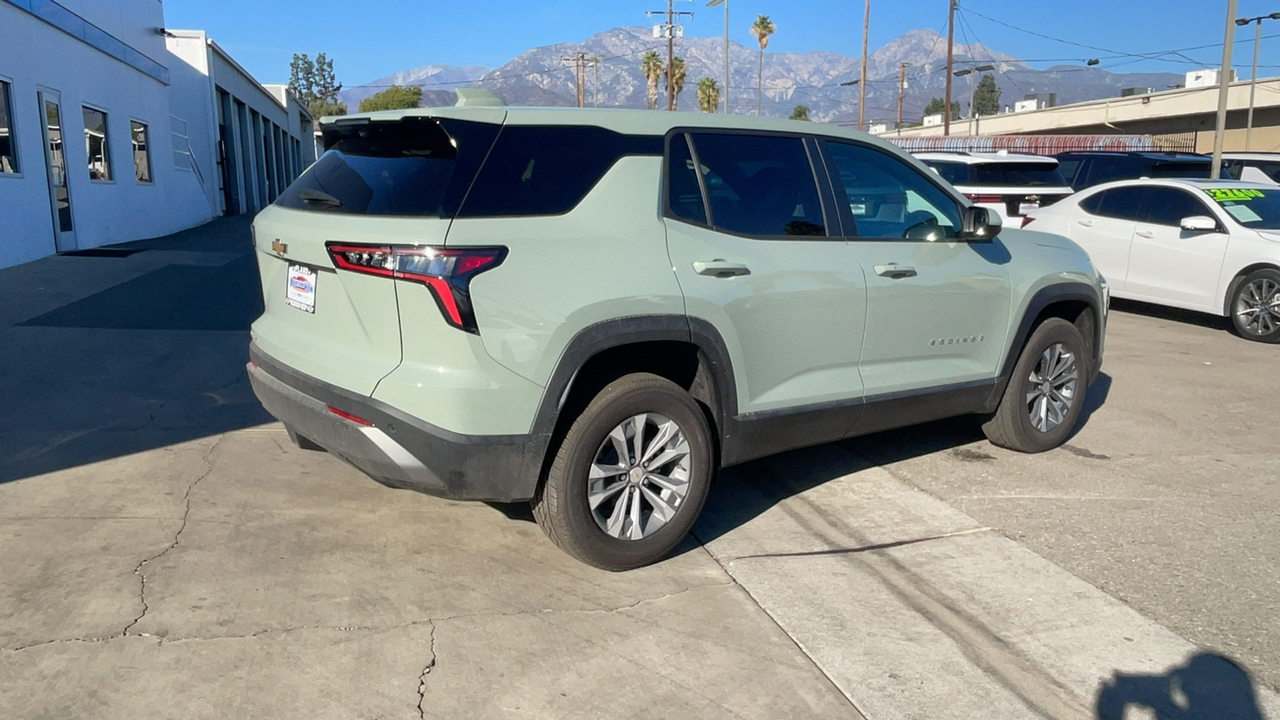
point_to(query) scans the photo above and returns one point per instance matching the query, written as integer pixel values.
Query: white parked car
(1010, 184)
(1252, 167)
(1210, 246)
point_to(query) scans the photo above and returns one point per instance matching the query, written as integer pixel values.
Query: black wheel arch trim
(1041, 300)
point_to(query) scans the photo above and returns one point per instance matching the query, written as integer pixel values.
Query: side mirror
(980, 224)
(1199, 224)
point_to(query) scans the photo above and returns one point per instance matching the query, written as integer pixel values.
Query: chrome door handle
(1145, 234)
(895, 271)
(1085, 223)
(720, 268)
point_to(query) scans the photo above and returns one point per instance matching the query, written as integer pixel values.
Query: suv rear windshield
(414, 167)
(1017, 174)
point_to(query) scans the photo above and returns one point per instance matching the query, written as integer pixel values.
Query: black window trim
(6, 93)
(846, 215)
(823, 200)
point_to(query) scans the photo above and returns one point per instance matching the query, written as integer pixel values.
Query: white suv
(1011, 184)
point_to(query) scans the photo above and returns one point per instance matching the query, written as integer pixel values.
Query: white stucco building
(106, 136)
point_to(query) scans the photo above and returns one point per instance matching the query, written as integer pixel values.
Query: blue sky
(368, 39)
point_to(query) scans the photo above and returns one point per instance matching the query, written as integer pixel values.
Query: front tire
(1255, 306)
(630, 477)
(1045, 395)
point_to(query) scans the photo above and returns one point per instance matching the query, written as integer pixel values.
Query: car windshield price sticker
(1226, 195)
(301, 292)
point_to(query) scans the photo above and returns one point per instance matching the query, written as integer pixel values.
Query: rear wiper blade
(319, 196)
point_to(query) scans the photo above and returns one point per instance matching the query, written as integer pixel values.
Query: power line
(492, 77)
(964, 23)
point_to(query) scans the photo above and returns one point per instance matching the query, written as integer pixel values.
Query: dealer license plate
(301, 292)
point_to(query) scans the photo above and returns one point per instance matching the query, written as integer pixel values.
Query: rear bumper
(395, 449)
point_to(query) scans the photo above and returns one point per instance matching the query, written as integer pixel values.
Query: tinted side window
(954, 173)
(1121, 203)
(888, 198)
(760, 185)
(1106, 169)
(416, 167)
(1168, 206)
(548, 170)
(684, 194)
(1068, 167)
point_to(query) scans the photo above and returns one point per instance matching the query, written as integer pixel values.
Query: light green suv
(594, 311)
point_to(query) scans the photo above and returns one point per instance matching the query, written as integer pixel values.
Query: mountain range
(542, 77)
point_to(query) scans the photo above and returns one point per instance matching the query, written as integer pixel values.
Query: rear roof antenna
(477, 97)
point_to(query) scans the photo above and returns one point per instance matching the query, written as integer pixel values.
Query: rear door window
(1198, 170)
(1068, 168)
(760, 185)
(1126, 203)
(540, 170)
(414, 167)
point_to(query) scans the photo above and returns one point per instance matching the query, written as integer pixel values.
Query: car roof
(630, 122)
(1267, 156)
(1149, 154)
(1180, 182)
(977, 158)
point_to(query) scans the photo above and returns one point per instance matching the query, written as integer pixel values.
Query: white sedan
(1210, 246)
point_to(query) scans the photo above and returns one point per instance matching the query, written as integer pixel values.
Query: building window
(141, 152)
(8, 142)
(95, 144)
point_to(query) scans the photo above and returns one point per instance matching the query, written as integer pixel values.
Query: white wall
(34, 54)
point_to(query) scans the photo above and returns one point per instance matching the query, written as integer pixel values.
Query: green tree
(801, 112)
(708, 95)
(396, 97)
(653, 68)
(936, 105)
(679, 74)
(986, 97)
(761, 29)
(315, 86)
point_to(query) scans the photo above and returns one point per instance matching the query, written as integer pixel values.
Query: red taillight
(1027, 220)
(447, 271)
(988, 199)
(348, 416)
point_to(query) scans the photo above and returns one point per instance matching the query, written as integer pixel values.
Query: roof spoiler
(477, 97)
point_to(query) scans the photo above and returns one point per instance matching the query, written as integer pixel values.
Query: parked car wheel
(630, 477)
(1045, 395)
(1255, 308)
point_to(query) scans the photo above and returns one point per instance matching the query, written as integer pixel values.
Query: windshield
(1018, 174)
(1251, 207)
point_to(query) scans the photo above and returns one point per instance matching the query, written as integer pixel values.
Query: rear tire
(1255, 306)
(630, 477)
(1045, 395)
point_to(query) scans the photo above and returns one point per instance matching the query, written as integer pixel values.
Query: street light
(1253, 82)
(714, 3)
(972, 87)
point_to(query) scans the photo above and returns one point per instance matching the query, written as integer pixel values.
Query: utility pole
(862, 84)
(951, 66)
(1224, 85)
(670, 31)
(579, 61)
(902, 91)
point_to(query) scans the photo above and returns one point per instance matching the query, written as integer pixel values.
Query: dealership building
(113, 128)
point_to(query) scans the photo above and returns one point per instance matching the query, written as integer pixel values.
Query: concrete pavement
(166, 553)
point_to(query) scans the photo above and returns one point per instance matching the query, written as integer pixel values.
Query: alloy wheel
(1258, 307)
(640, 476)
(1052, 387)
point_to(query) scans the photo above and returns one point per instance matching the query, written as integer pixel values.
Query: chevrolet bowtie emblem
(278, 247)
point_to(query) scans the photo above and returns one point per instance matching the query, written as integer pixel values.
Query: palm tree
(762, 29)
(678, 75)
(652, 66)
(708, 94)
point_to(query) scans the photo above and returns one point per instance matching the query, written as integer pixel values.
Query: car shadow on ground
(1164, 312)
(153, 360)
